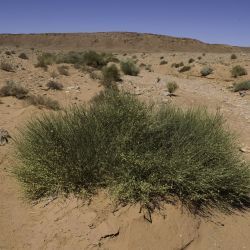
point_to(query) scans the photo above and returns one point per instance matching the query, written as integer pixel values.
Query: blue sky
(213, 21)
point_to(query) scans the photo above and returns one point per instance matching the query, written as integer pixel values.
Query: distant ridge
(114, 42)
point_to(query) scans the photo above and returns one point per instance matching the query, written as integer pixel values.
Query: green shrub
(233, 57)
(242, 86)
(23, 56)
(7, 67)
(206, 71)
(163, 62)
(139, 153)
(12, 88)
(238, 71)
(54, 85)
(43, 101)
(95, 60)
(110, 75)
(172, 87)
(63, 70)
(184, 69)
(129, 68)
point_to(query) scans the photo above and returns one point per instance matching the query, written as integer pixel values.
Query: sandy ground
(75, 224)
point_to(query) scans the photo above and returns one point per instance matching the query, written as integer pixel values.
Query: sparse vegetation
(54, 85)
(241, 86)
(110, 75)
(138, 153)
(45, 59)
(238, 71)
(177, 65)
(8, 53)
(12, 88)
(43, 101)
(205, 71)
(129, 68)
(63, 70)
(6, 66)
(23, 56)
(184, 69)
(172, 87)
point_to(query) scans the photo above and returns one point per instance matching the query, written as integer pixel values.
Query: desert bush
(45, 59)
(233, 57)
(205, 71)
(93, 59)
(191, 60)
(184, 69)
(7, 67)
(172, 87)
(129, 68)
(8, 53)
(63, 70)
(199, 57)
(141, 154)
(163, 62)
(241, 86)
(177, 65)
(54, 85)
(162, 57)
(23, 56)
(110, 75)
(238, 71)
(43, 101)
(54, 74)
(12, 88)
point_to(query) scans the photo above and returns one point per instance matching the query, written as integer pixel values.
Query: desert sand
(71, 223)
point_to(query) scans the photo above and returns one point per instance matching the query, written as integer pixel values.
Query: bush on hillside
(206, 71)
(110, 75)
(23, 56)
(43, 102)
(241, 86)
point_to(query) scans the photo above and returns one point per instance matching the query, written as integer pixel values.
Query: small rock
(245, 150)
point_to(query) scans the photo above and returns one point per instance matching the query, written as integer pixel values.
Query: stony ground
(73, 224)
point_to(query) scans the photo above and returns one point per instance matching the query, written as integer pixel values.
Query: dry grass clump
(238, 71)
(12, 88)
(54, 85)
(163, 62)
(184, 69)
(63, 70)
(241, 86)
(43, 102)
(139, 153)
(205, 71)
(172, 87)
(7, 67)
(233, 57)
(23, 56)
(110, 75)
(129, 68)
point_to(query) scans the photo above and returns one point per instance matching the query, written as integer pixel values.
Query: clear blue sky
(213, 21)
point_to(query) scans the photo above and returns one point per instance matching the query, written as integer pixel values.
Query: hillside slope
(114, 41)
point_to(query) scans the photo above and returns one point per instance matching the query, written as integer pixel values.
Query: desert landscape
(47, 74)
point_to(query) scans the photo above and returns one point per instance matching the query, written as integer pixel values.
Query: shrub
(8, 53)
(184, 69)
(45, 59)
(242, 86)
(63, 70)
(53, 74)
(54, 85)
(162, 57)
(206, 71)
(7, 67)
(177, 65)
(199, 57)
(23, 56)
(163, 62)
(238, 71)
(233, 57)
(172, 87)
(138, 153)
(12, 88)
(129, 68)
(110, 75)
(93, 59)
(43, 101)
(191, 60)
